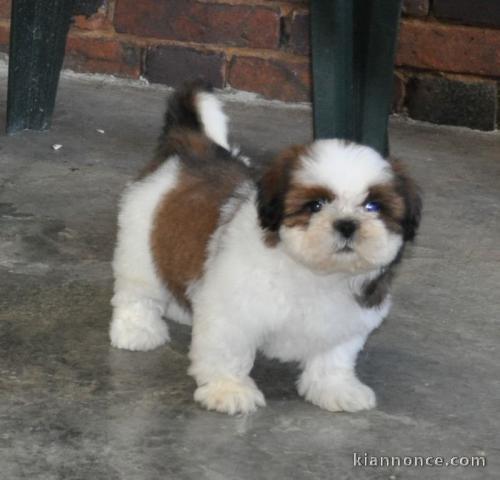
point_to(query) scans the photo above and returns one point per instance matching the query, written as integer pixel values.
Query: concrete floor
(71, 407)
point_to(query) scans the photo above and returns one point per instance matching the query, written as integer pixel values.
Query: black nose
(346, 227)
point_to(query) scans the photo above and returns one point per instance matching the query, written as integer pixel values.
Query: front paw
(336, 393)
(230, 395)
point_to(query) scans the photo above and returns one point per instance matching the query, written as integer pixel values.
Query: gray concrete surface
(71, 407)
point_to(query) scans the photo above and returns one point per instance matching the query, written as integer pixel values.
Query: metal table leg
(333, 89)
(37, 41)
(353, 46)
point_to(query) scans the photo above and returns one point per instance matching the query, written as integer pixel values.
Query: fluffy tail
(195, 107)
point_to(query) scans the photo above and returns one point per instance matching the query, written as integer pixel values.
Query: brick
(449, 48)
(173, 65)
(416, 8)
(453, 102)
(102, 55)
(477, 12)
(189, 20)
(398, 93)
(277, 79)
(298, 33)
(5, 8)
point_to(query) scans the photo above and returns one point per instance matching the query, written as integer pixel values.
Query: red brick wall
(447, 65)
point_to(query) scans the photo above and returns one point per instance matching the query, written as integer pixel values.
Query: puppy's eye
(372, 206)
(314, 206)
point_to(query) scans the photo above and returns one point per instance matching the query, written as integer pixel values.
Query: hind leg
(140, 298)
(137, 322)
(138, 303)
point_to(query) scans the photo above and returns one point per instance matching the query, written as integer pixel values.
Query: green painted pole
(37, 41)
(353, 47)
(332, 56)
(379, 51)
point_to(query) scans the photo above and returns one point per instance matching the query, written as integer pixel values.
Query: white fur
(213, 119)
(328, 380)
(252, 297)
(230, 395)
(236, 153)
(347, 169)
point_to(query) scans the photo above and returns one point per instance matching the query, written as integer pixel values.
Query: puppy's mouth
(345, 249)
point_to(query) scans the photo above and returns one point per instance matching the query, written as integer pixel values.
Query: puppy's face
(338, 207)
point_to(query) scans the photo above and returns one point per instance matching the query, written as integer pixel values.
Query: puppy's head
(338, 206)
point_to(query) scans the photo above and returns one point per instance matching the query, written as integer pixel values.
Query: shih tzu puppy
(296, 265)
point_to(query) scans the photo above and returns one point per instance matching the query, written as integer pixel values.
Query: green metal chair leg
(331, 27)
(379, 38)
(37, 42)
(353, 45)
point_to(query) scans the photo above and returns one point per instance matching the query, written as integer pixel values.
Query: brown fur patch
(401, 202)
(180, 141)
(392, 205)
(272, 190)
(297, 213)
(185, 219)
(409, 191)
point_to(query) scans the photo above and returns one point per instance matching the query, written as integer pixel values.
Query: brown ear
(409, 191)
(273, 186)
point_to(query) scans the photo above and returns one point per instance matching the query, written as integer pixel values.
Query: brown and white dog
(296, 265)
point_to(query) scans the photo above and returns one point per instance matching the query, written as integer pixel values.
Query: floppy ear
(272, 188)
(410, 193)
